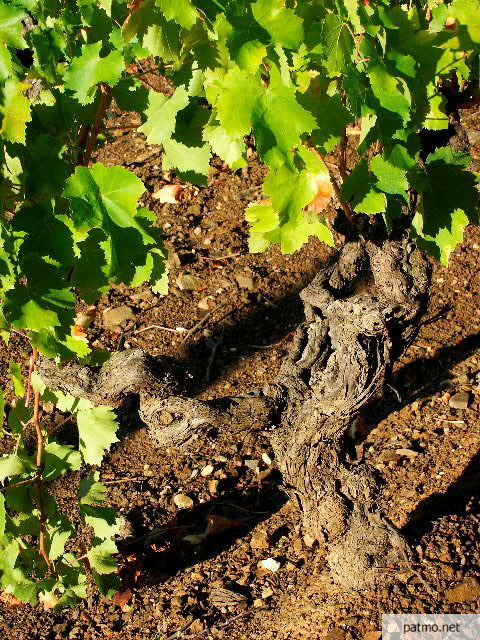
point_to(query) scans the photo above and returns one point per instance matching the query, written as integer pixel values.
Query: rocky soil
(214, 548)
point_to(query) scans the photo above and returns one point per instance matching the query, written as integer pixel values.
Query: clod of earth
(341, 356)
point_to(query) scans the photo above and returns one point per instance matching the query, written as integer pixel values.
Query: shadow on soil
(408, 383)
(465, 491)
(260, 328)
(208, 529)
(245, 508)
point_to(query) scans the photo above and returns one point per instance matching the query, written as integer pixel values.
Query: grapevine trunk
(361, 311)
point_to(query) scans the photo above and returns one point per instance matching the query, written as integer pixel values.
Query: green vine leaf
(449, 201)
(181, 11)
(103, 520)
(91, 491)
(99, 192)
(359, 188)
(101, 557)
(58, 459)
(11, 26)
(17, 379)
(96, 428)
(89, 70)
(192, 162)
(43, 302)
(236, 101)
(15, 109)
(283, 25)
(161, 115)
(11, 465)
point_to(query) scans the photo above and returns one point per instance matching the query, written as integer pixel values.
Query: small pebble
(408, 453)
(244, 282)
(260, 540)
(309, 540)
(117, 316)
(254, 465)
(459, 400)
(466, 591)
(182, 501)
(213, 487)
(270, 564)
(189, 283)
(267, 460)
(207, 471)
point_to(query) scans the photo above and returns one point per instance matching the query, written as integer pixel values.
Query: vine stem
(38, 475)
(342, 167)
(31, 364)
(82, 143)
(102, 107)
(17, 484)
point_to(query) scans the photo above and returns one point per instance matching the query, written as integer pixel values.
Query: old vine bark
(361, 312)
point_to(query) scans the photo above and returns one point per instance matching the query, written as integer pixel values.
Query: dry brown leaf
(78, 331)
(169, 193)
(122, 598)
(217, 524)
(47, 600)
(324, 193)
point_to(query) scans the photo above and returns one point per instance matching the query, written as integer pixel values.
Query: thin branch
(342, 167)
(203, 320)
(17, 484)
(180, 631)
(82, 143)
(102, 107)
(159, 326)
(121, 480)
(275, 344)
(38, 474)
(229, 257)
(24, 335)
(60, 424)
(31, 364)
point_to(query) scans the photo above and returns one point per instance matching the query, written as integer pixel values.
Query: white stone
(270, 564)
(207, 471)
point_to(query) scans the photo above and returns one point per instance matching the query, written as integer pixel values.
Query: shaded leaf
(59, 458)
(91, 491)
(99, 191)
(283, 25)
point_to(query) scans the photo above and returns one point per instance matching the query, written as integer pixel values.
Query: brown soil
(426, 451)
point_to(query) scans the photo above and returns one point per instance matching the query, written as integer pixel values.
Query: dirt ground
(195, 573)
